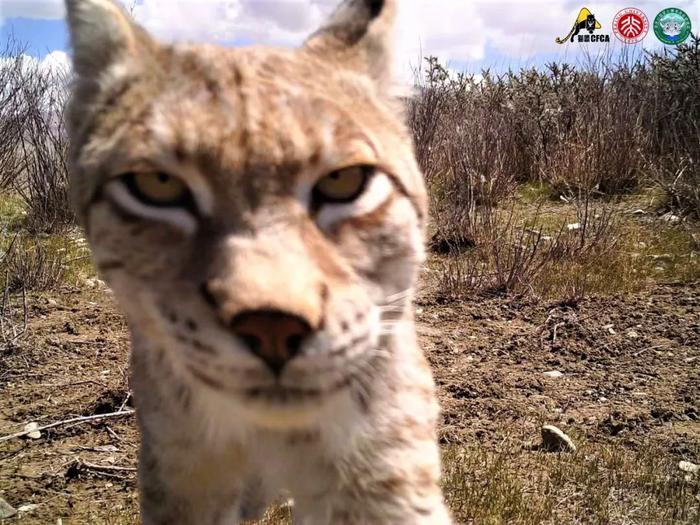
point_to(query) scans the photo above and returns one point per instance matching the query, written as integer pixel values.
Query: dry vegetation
(554, 193)
(531, 173)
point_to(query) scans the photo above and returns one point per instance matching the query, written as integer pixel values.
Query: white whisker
(399, 296)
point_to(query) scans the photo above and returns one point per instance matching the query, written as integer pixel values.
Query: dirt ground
(630, 376)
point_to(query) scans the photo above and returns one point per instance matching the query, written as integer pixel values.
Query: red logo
(630, 25)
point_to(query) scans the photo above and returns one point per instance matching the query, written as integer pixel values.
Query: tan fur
(349, 428)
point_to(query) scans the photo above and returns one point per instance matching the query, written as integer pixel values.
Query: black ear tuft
(375, 7)
(358, 36)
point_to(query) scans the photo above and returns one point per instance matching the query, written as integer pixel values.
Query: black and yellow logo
(584, 21)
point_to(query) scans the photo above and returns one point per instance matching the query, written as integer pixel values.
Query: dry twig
(82, 419)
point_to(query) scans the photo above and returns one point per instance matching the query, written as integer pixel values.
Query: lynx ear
(101, 34)
(358, 36)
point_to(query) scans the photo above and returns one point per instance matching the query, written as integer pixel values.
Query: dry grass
(531, 250)
(597, 484)
(33, 262)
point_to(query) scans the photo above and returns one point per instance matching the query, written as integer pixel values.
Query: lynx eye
(158, 189)
(343, 185)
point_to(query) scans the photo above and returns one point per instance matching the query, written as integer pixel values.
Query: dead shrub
(519, 255)
(580, 134)
(674, 155)
(463, 146)
(30, 265)
(34, 140)
(680, 180)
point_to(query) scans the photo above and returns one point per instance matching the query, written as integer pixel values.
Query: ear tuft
(375, 7)
(101, 33)
(358, 36)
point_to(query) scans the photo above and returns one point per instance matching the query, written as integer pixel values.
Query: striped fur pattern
(348, 429)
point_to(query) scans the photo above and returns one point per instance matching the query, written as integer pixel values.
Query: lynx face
(258, 213)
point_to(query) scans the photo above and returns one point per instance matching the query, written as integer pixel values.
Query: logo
(585, 21)
(672, 26)
(630, 25)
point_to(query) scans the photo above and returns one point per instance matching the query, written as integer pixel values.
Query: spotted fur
(348, 430)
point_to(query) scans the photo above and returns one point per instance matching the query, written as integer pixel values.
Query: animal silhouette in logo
(672, 26)
(585, 20)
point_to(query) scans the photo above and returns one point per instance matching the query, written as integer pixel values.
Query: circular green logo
(672, 26)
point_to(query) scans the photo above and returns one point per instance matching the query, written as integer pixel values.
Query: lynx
(259, 216)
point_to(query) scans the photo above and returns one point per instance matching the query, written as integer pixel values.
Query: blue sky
(468, 34)
(41, 36)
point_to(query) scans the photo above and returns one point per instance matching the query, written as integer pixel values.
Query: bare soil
(630, 377)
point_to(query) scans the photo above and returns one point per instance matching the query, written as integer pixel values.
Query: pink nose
(274, 336)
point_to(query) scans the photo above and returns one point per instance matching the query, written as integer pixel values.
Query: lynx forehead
(259, 215)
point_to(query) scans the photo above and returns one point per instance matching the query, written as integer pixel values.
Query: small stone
(555, 440)
(573, 226)
(669, 217)
(553, 374)
(29, 507)
(687, 466)
(6, 510)
(106, 448)
(632, 334)
(31, 428)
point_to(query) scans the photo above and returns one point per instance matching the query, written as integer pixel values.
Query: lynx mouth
(281, 394)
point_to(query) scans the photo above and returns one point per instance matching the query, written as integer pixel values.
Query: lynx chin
(259, 215)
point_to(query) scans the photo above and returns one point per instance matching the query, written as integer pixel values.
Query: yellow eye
(158, 189)
(343, 185)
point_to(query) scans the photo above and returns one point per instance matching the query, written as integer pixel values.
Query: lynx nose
(274, 336)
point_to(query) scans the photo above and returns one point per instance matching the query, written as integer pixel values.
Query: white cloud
(56, 61)
(283, 22)
(457, 31)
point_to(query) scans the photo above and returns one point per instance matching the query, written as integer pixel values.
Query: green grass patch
(13, 212)
(536, 191)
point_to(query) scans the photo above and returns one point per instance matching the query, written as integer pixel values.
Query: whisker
(392, 308)
(392, 323)
(394, 298)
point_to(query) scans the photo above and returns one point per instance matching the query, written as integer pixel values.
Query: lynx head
(256, 211)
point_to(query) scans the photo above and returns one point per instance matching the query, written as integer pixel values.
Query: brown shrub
(34, 141)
